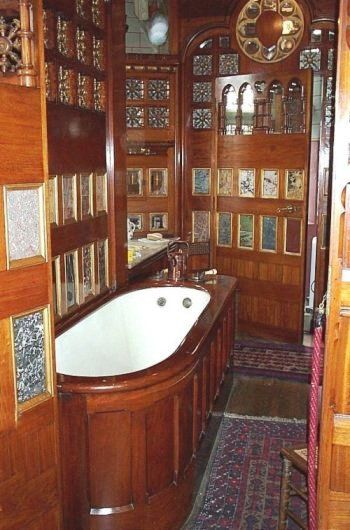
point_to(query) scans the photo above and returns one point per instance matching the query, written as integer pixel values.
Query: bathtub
(137, 380)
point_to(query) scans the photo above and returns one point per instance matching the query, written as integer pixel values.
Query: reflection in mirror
(230, 110)
(276, 107)
(294, 109)
(246, 109)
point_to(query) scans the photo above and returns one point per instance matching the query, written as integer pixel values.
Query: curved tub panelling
(129, 441)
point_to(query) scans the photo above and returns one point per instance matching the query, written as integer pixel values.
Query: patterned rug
(240, 489)
(288, 361)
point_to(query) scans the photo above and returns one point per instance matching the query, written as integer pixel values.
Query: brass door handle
(288, 209)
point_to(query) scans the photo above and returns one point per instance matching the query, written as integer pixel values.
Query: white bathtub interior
(129, 333)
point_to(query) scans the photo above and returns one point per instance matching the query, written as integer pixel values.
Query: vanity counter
(148, 257)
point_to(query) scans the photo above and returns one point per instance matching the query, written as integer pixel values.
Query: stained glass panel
(30, 344)
(202, 118)
(135, 117)
(134, 89)
(310, 58)
(229, 64)
(158, 89)
(101, 193)
(202, 65)
(86, 195)
(246, 231)
(158, 117)
(202, 92)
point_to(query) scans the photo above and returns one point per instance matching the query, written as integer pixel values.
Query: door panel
(29, 472)
(261, 186)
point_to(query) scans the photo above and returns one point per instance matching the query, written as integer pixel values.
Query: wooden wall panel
(106, 487)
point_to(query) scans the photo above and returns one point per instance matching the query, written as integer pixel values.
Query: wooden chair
(301, 461)
(294, 462)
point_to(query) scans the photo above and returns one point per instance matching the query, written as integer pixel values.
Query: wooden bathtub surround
(129, 442)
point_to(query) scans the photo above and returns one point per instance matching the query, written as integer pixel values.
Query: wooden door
(334, 462)
(29, 485)
(261, 183)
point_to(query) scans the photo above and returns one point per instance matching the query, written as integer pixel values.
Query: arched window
(275, 95)
(230, 107)
(294, 108)
(246, 109)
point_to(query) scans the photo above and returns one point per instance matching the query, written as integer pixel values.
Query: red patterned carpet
(240, 490)
(287, 361)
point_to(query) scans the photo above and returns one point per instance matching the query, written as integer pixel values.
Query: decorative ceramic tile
(134, 177)
(269, 183)
(134, 89)
(158, 182)
(53, 200)
(158, 222)
(330, 59)
(158, 89)
(310, 58)
(137, 220)
(98, 14)
(200, 226)
(102, 254)
(202, 118)
(71, 278)
(29, 345)
(83, 46)
(101, 193)
(246, 231)
(294, 182)
(135, 117)
(99, 96)
(228, 64)
(69, 198)
(202, 92)
(292, 236)
(65, 41)
(158, 117)
(85, 91)
(224, 41)
(98, 53)
(225, 181)
(224, 236)
(88, 270)
(86, 202)
(25, 224)
(268, 233)
(202, 65)
(246, 182)
(56, 286)
(201, 181)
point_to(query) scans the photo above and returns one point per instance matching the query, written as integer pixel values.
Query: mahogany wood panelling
(130, 441)
(333, 474)
(29, 469)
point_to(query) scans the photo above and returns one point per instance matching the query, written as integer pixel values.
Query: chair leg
(285, 494)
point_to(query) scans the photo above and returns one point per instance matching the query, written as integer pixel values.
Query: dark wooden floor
(250, 396)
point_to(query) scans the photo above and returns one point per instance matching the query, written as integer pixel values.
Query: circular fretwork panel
(268, 31)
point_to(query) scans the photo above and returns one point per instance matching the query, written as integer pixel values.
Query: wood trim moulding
(147, 61)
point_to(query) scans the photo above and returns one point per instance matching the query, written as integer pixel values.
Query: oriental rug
(241, 487)
(288, 361)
